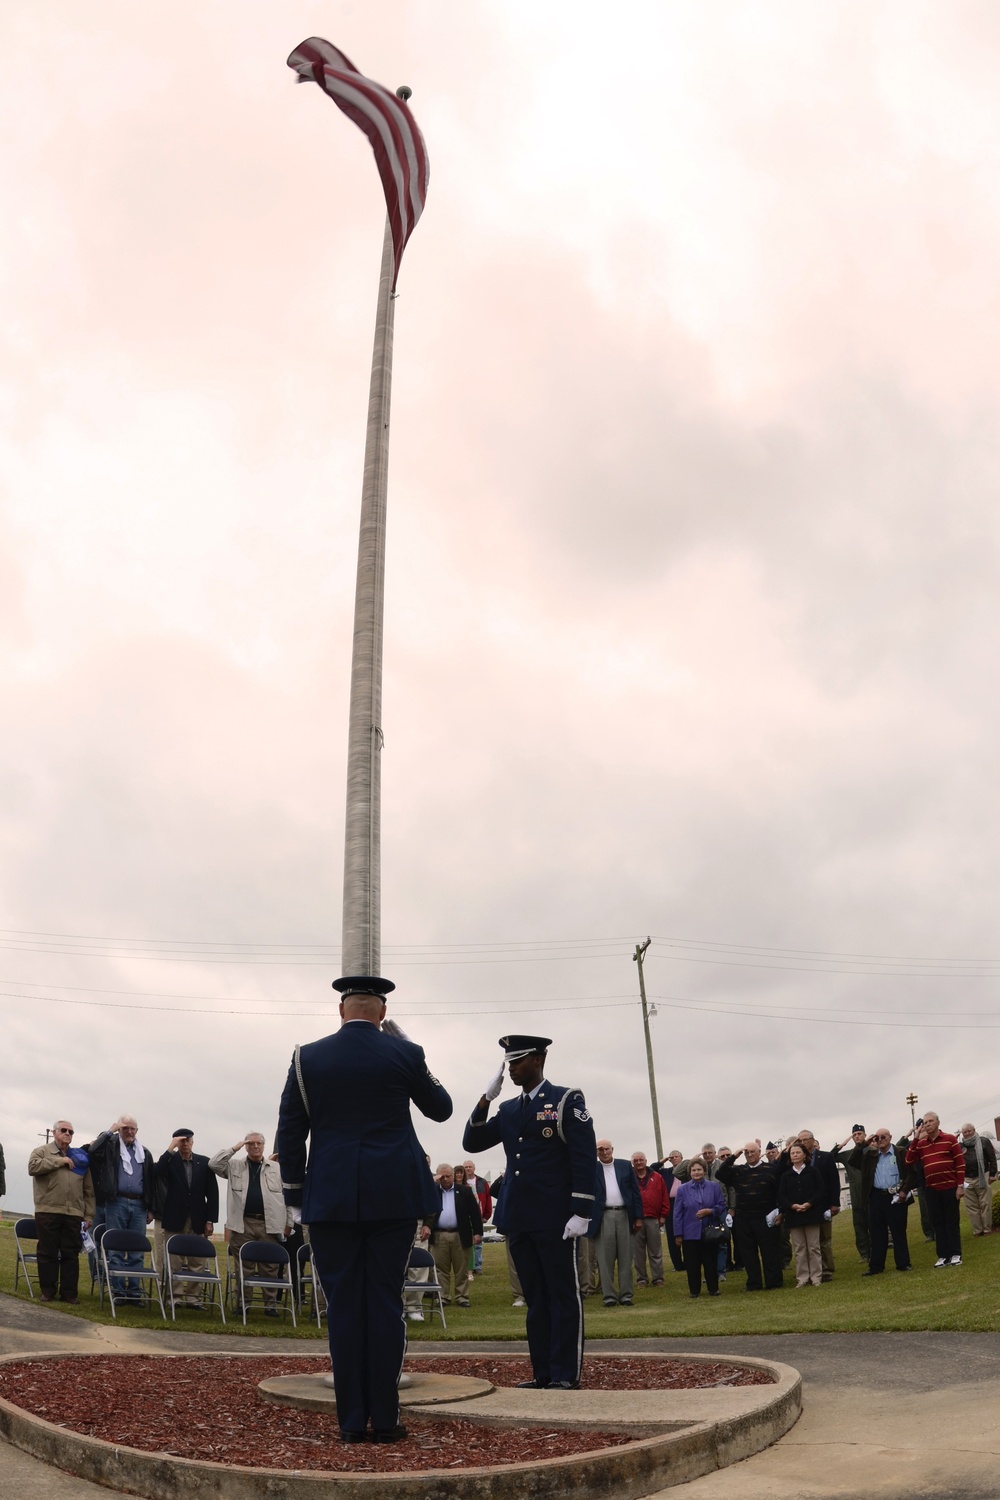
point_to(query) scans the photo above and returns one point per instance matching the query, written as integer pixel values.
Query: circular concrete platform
(315, 1392)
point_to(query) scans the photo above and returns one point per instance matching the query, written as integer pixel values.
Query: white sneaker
(415, 1317)
(943, 1261)
(956, 1260)
(519, 1302)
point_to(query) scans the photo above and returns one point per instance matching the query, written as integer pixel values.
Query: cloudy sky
(692, 575)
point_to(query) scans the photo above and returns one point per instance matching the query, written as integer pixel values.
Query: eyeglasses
(61, 1130)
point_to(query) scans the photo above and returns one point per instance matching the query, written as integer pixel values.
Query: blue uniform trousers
(362, 1267)
(546, 1266)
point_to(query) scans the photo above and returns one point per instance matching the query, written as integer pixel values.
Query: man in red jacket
(943, 1161)
(646, 1239)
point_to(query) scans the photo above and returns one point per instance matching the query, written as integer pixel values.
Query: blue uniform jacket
(550, 1148)
(350, 1094)
(629, 1185)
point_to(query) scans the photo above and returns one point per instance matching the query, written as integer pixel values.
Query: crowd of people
(755, 1209)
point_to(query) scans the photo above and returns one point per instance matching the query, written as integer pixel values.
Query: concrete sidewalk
(898, 1416)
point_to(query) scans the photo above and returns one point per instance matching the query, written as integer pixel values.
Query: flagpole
(402, 163)
(362, 909)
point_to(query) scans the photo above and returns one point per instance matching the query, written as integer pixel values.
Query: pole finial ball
(404, 93)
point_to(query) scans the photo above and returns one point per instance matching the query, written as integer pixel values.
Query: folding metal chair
(94, 1259)
(192, 1247)
(266, 1253)
(419, 1259)
(25, 1229)
(312, 1298)
(125, 1239)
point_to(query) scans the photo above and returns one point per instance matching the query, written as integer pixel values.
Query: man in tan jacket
(255, 1203)
(64, 1203)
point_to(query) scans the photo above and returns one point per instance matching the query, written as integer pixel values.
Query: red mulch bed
(207, 1408)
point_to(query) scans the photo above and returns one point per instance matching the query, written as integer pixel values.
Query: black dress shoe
(532, 1385)
(904, 1268)
(389, 1434)
(564, 1385)
(871, 1273)
(347, 1436)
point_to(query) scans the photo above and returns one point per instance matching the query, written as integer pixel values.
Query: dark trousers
(759, 1249)
(676, 1254)
(862, 1232)
(885, 1218)
(944, 1211)
(926, 1222)
(362, 1268)
(701, 1255)
(59, 1247)
(546, 1266)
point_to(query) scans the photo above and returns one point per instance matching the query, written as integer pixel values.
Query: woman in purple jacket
(699, 1202)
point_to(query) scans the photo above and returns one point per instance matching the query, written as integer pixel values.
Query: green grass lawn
(962, 1298)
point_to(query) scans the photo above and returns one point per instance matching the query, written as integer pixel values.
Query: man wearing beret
(844, 1157)
(350, 1095)
(546, 1202)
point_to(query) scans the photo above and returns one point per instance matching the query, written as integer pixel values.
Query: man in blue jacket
(350, 1094)
(545, 1203)
(617, 1211)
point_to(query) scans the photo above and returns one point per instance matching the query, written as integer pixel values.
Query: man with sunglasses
(886, 1184)
(64, 1203)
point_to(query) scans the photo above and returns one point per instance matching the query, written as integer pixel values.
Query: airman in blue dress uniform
(546, 1201)
(350, 1094)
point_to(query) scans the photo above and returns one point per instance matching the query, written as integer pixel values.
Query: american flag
(398, 145)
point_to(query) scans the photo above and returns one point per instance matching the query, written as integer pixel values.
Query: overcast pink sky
(692, 578)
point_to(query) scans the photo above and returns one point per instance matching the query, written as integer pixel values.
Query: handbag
(714, 1234)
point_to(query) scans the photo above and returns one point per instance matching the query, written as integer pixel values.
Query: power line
(752, 1010)
(445, 954)
(821, 952)
(505, 1010)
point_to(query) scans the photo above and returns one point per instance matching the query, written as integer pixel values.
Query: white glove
(575, 1227)
(729, 1221)
(296, 1214)
(492, 1089)
(393, 1028)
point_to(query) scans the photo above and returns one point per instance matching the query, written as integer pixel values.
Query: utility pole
(637, 956)
(913, 1101)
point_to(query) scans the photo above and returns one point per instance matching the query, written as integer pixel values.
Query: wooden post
(637, 957)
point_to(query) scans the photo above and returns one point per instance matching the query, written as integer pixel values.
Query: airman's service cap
(364, 984)
(523, 1046)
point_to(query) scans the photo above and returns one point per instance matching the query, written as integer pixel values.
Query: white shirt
(612, 1192)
